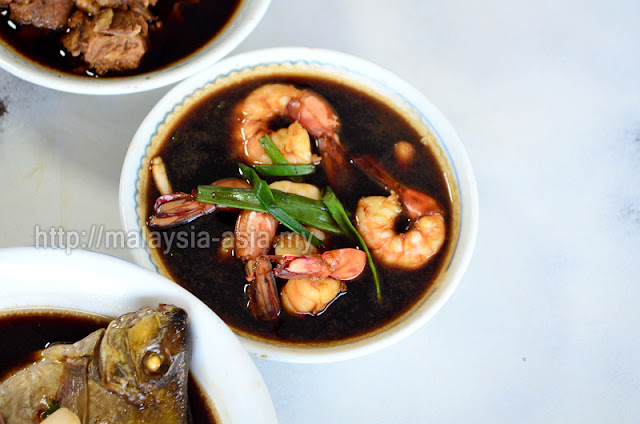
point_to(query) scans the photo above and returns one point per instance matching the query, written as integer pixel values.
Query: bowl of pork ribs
(119, 46)
(317, 203)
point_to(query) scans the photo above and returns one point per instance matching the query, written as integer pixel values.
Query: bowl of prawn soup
(386, 152)
(146, 44)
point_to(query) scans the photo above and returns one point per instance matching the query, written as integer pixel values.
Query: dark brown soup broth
(197, 152)
(24, 333)
(178, 38)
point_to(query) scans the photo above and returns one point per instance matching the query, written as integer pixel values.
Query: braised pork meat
(49, 14)
(112, 40)
(94, 6)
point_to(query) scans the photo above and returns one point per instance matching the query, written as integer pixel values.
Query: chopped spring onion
(279, 160)
(272, 151)
(285, 170)
(265, 196)
(307, 211)
(339, 214)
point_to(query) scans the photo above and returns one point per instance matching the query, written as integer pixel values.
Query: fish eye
(154, 363)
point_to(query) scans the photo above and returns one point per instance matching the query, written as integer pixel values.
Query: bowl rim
(39, 278)
(450, 142)
(243, 23)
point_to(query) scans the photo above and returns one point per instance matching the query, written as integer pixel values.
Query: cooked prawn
(254, 234)
(310, 296)
(301, 189)
(293, 243)
(175, 209)
(304, 295)
(179, 208)
(376, 221)
(342, 264)
(314, 280)
(294, 144)
(253, 115)
(289, 243)
(262, 292)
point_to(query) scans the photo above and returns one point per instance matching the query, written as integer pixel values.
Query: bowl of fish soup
(382, 142)
(119, 47)
(72, 294)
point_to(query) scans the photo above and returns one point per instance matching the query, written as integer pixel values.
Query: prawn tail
(263, 293)
(375, 172)
(335, 161)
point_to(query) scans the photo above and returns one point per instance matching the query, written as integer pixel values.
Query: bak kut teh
(104, 38)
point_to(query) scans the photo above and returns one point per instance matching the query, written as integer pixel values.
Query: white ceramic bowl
(37, 278)
(405, 98)
(243, 22)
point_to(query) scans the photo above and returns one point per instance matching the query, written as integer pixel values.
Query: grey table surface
(546, 98)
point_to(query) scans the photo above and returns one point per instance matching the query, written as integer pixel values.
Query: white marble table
(544, 327)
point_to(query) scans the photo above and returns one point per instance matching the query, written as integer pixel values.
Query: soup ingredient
(49, 14)
(282, 167)
(288, 243)
(292, 144)
(285, 170)
(62, 416)
(301, 189)
(181, 208)
(339, 214)
(110, 35)
(376, 217)
(342, 264)
(111, 40)
(310, 296)
(177, 209)
(253, 115)
(254, 235)
(267, 199)
(309, 290)
(405, 153)
(314, 280)
(376, 221)
(272, 150)
(139, 6)
(263, 292)
(160, 176)
(133, 371)
(308, 191)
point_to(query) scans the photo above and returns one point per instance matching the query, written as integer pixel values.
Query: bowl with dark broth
(119, 46)
(321, 206)
(68, 314)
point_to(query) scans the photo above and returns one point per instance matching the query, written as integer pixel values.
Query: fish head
(144, 356)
